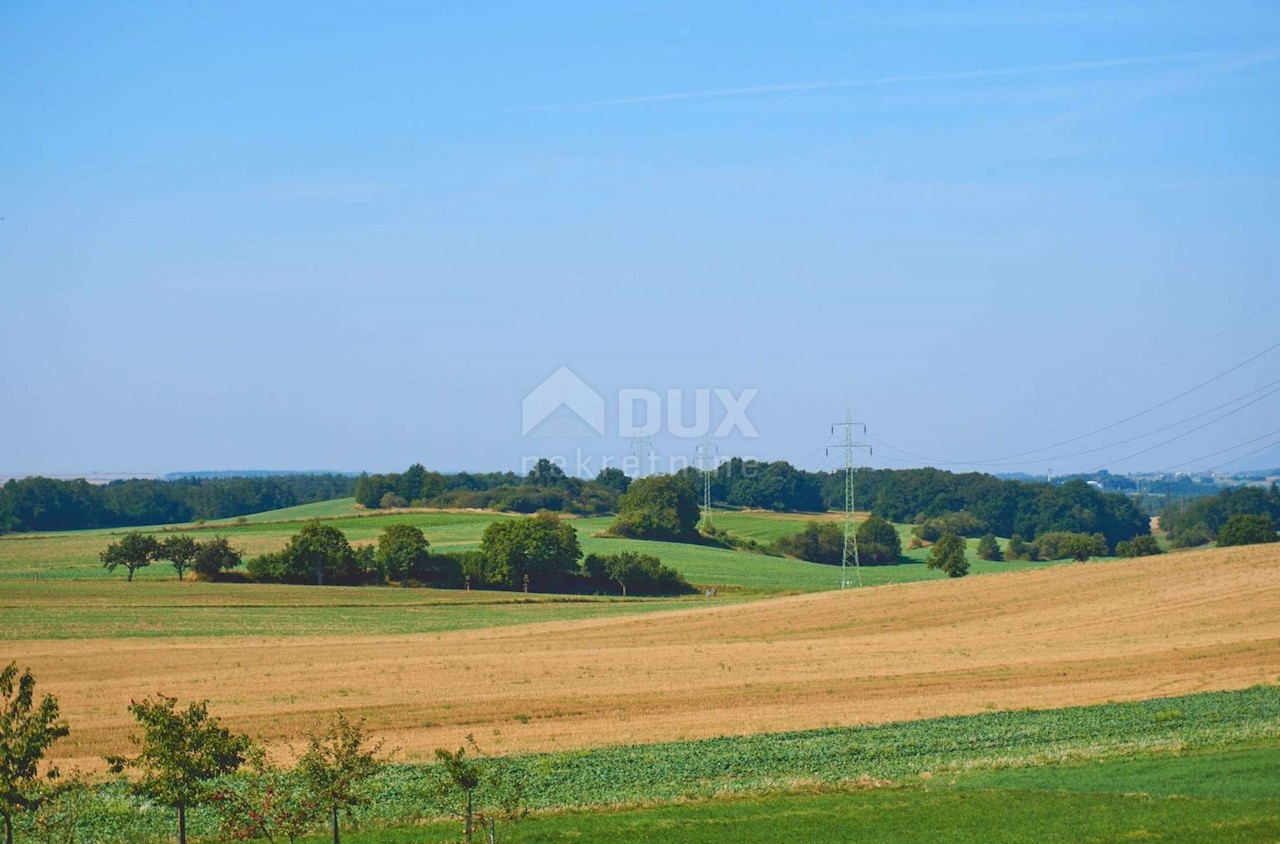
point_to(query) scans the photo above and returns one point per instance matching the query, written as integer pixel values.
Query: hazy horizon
(1007, 238)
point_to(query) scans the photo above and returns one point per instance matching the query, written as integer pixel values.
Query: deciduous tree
(948, 554)
(402, 549)
(539, 547)
(264, 803)
(1247, 529)
(337, 767)
(180, 551)
(480, 791)
(878, 542)
(663, 507)
(135, 550)
(214, 556)
(180, 753)
(27, 729)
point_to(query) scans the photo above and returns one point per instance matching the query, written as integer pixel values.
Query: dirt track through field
(1066, 635)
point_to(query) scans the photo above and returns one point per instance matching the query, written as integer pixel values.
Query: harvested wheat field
(1073, 634)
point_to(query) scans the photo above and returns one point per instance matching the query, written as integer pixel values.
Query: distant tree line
(1202, 521)
(45, 504)
(544, 487)
(989, 504)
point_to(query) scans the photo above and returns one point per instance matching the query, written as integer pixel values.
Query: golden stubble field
(1072, 634)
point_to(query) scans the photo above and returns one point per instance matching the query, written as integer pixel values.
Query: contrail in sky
(955, 76)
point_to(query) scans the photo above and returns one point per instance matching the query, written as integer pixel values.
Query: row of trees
(137, 550)
(186, 758)
(43, 504)
(540, 553)
(1004, 507)
(545, 487)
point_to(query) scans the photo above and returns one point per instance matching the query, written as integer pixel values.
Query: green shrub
(1139, 546)
(1247, 530)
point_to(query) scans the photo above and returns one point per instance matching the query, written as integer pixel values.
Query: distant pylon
(706, 462)
(641, 447)
(849, 550)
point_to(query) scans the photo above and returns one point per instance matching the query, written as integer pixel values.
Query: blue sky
(354, 236)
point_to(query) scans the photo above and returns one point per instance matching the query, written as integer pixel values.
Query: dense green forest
(1198, 522)
(41, 504)
(1003, 507)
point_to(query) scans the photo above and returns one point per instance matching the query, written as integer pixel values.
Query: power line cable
(1186, 433)
(1253, 314)
(1157, 430)
(1224, 451)
(1108, 427)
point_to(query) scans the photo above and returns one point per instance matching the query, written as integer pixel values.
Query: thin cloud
(804, 87)
(1004, 17)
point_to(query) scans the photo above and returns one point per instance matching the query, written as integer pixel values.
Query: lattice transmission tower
(849, 550)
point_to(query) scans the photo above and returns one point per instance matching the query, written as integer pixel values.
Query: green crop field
(75, 554)
(98, 609)
(1197, 767)
(53, 586)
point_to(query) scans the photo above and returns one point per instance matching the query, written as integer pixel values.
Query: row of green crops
(663, 772)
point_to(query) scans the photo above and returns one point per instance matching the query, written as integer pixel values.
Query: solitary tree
(989, 549)
(486, 789)
(26, 731)
(180, 753)
(659, 507)
(402, 549)
(135, 550)
(948, 555)
(336, 767)
(179, 550)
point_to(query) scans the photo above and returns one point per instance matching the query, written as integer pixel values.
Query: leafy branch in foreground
(26, 732)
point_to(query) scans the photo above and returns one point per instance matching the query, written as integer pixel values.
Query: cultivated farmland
(1062, 635)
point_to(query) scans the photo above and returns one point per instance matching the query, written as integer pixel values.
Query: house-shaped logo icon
(562, 406)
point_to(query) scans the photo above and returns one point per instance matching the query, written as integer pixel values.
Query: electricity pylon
(850, 530)
(641, 447)
(706, 462)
